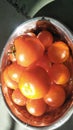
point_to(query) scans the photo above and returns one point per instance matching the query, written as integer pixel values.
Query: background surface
(10, 18)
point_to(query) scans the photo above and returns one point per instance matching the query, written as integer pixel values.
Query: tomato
(36, 107)
(8, 81)
(58, 52)
(28, 50)
(15, 71)
(44, 63)
(46, 38)
(59, 74)
(18, 98)
(55, 96)
(34, 83)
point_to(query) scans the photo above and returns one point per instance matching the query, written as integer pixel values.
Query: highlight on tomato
(34, 83)
(8, 81)
(36, 107)
(18, 97)
(28, 49)
(58, 52)
(46, 38)
(56, 96)
(15, 71)
(59, 74)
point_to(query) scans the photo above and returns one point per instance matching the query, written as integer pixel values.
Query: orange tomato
(44, 63)
(55, 96)
(34, 83)
(18, 98)
(58, 52)
(28, 50)
(59, 74)
(8, 81)
(15, 71)
(36, 107)
(46, 38)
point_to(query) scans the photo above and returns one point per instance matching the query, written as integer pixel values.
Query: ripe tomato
(55, 96)
(58, 52)
(46, 38)
(8, 81)
(34, 83)
(36, 107)
(18, 98)
(59, 74)
(28, 50)
(15, 71)
(44, 63)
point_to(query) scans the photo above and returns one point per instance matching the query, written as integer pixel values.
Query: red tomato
(46, 38)
(28, 50)
(55, 96)
(34, 83)
(59, 74)
(18, 98)
(58, 52)
(8, 81)
(44, 63)
(15, 71)
(36, 107)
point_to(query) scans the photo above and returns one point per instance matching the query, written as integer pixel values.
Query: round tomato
(58, 52)
(59, 74)
(15, 71)
(8, 81)
(44, 63)
(55, 96)
(36, 107)
(18, 97)
(46, 38)
(28, 50)
(34, 83)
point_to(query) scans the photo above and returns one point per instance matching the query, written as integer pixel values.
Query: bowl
(54, 118)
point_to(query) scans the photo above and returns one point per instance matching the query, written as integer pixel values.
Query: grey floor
(9, 20)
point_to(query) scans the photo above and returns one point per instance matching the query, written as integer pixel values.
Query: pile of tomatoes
(38, 73)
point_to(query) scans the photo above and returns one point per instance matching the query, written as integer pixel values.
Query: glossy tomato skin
(18, 98)
(58, 52)
(15, 71)
(44, 63)
(34, 83)
(28, 50)
(36, 107)
(56, 96)
(8, 81)
(59, 74)
(46, 38)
